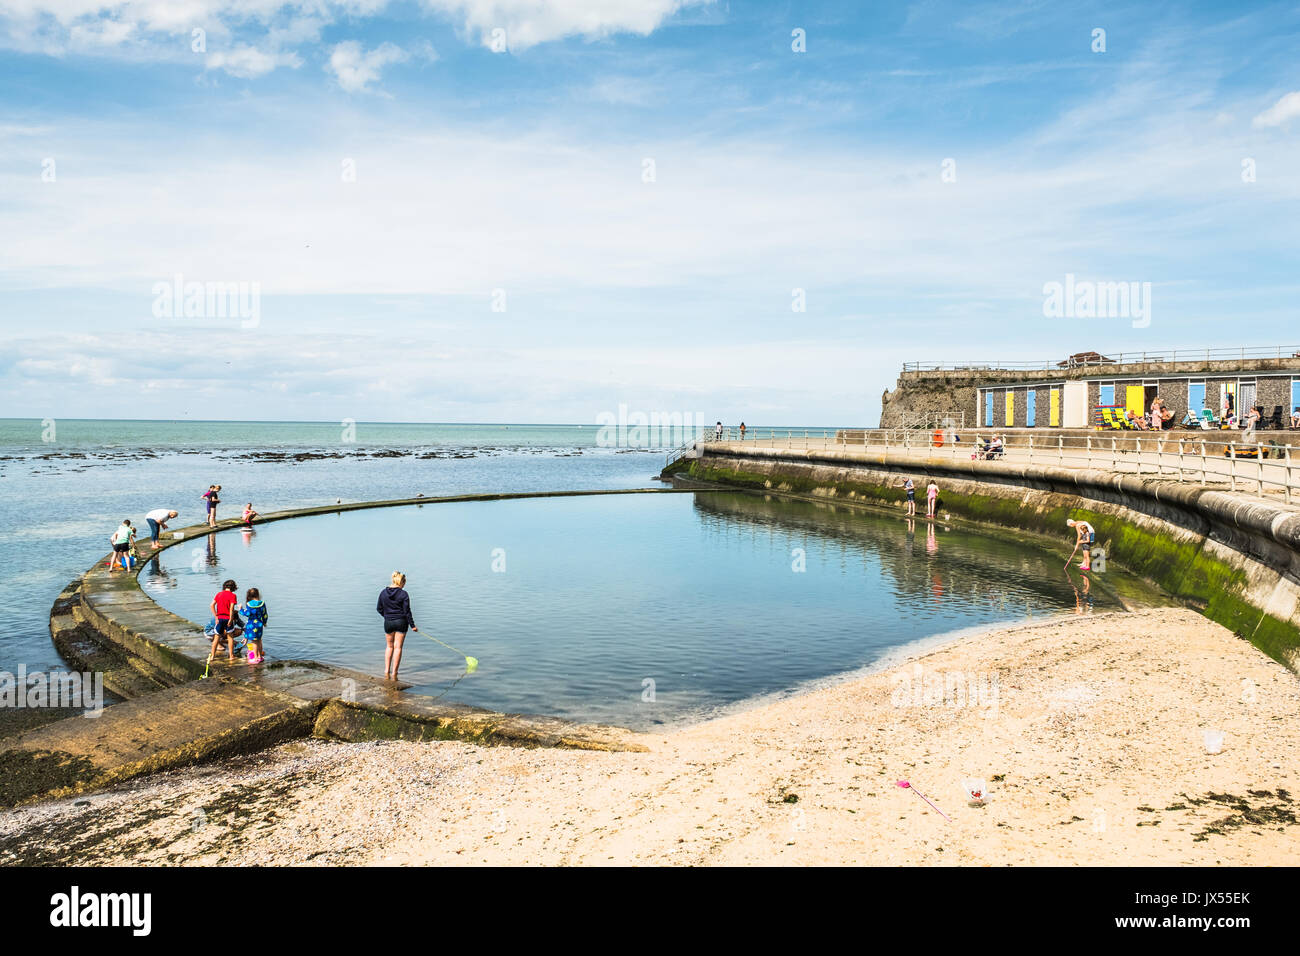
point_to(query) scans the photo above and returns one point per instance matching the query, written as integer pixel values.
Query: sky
(532, 211)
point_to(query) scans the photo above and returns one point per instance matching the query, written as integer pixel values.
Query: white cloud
(1285, 109)
(356, 69)
(247, 38)
(264, 33)
(461, 212)
(101, 33)
(529, 22)
(248, 62)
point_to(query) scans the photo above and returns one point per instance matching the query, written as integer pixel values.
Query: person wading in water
(395, 608)
(1085, 537)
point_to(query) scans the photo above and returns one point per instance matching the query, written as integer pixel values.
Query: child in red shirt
(222, 606)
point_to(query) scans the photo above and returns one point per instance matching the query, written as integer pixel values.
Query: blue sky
(500, 150)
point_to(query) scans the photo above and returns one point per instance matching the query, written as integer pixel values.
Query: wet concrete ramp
(177, 727)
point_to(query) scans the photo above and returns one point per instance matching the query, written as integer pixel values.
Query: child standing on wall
(223, 605)
(910, 487)
(123, 542)
(255, 621)
(211, 498)
(931, 498)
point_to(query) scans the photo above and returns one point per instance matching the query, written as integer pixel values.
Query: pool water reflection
(636, 610)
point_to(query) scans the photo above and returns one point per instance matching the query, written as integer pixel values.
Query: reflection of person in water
(911, 536)
(931, 543)
(155, 575)
(1082, 596)
(212, 550)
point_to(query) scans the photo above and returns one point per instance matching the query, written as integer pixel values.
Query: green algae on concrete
(176, 727)
(29, 773)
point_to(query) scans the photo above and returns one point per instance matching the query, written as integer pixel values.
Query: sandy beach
(1089, 733)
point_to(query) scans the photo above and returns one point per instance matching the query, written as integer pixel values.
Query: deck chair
(1272, 422)
(1108, 419)
(1208, 418)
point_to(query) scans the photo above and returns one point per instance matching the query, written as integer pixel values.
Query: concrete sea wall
(1234, 557)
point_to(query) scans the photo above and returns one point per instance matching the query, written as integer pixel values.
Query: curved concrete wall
(1235, 557)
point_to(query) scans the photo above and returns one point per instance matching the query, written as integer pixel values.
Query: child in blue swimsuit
(255, 620)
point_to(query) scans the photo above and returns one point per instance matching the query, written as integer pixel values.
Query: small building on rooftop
(1071, 392)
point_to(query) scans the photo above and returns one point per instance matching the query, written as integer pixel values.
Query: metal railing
(1089, 360)
(1265, 468)
(939, 420)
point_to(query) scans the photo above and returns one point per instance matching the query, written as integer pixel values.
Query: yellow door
(1134, 399)
(1054, 416)
(1011, 408)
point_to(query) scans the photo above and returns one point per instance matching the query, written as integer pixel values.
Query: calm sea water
(580, 607)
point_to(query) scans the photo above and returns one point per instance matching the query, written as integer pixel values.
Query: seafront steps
(167, 718)
(1232, 554)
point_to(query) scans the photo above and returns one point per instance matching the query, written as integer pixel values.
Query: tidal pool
(636, 610)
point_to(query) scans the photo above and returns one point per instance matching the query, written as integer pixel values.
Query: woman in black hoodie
(395, 608)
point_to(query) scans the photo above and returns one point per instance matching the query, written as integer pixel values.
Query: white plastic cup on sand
(178, 534)
(976, 792)
(1213, 741)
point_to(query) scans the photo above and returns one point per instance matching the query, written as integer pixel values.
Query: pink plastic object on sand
(907, 786)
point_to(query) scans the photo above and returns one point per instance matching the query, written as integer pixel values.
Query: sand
(1087, 730)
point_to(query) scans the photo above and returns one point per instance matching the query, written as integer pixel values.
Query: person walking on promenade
(212, 498)
(394, 607)
(742, 431)
(931, 498)
(158, 519)
(1085, 536)
(717, 432)
(910, 487)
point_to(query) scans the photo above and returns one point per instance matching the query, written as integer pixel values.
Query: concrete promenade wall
(1234, 557)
